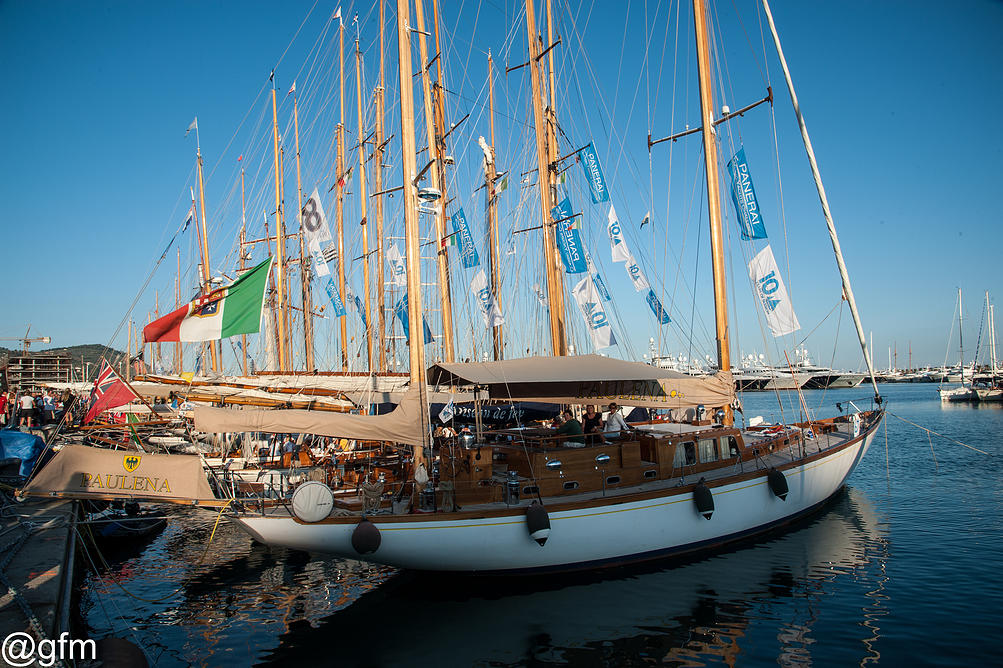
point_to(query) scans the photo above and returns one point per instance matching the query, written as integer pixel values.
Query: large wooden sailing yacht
(527, 500)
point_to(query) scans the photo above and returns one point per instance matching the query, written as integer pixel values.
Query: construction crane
(26, 341)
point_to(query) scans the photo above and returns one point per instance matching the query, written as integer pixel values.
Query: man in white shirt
(27, 404)
(615, 424)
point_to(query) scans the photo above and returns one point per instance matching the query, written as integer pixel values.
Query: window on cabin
(686, 454)
(708, 450)
(571, 484)
(651, 473)
(613, 480)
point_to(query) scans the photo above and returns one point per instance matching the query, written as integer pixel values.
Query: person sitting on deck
(615, 424)
(572, 430)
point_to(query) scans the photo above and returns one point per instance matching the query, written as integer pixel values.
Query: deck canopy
(588, 379)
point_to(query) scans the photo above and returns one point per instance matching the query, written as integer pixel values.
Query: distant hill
(89, 352)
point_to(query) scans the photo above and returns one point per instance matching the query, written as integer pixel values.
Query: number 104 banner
(772, 294)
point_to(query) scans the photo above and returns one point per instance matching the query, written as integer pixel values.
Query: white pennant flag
(772, 294)
(587, 296)
(319, 261)
(448, 411)
(636, 275)
(315, 231)
(618, 245)
(398, 270)
(540, 297)
(313, 222)
(489, 308)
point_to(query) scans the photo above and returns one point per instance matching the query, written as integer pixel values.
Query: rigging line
(668, 198)
(832, 359)
(931, 431)
(749, 40)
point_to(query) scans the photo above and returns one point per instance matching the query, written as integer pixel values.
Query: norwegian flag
(109, 391)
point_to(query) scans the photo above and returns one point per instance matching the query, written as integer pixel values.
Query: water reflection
(251, 604)
(708, 611)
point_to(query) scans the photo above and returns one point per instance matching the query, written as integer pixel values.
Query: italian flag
(235, 309)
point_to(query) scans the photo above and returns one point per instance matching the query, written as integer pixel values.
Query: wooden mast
(156, 314)
(435, 177)
(416, 333)
(546, 181)
(287, 301)
(378, 186)
(439, 109)
(362, 203)
(340, 201)
(492, 177)
(178, 360)
(242, 257)
(713, 193)
(128, 353)
(305, 269)
(206, 277)
(280, 248)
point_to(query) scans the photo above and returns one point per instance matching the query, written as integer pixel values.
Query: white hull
(604, 531)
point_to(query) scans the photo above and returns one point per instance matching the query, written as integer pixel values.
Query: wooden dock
(37, 559)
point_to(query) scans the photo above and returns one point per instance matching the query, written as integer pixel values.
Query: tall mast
(206, 278)
(713, 192)
(177, 304)
(287, 302)
(847, 290)
(435, 176)
(306, 295)
(156, 314)
(362, 204)
(492, 176)
(128, 353)
(546, 181)
(410, 191)
(961, 335)
(378, 186)
(242, 256)
(340, 201)
(280, 237)
(992, 334)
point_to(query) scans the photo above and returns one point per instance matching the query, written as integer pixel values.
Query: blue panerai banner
(400, 310)
(335, 296)
(656, 308)
(744, 197)
(569, 241)
(468, 252)
(593, 174)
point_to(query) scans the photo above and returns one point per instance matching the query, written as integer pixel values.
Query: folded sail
(228, 311)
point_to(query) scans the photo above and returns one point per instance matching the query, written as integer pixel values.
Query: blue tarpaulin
(26, 447)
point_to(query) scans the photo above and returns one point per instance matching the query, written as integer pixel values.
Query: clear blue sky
(901, 98)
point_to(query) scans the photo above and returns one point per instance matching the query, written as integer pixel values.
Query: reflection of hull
(584, 534)
(689, 614)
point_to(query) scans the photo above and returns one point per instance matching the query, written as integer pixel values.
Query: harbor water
(902, 567)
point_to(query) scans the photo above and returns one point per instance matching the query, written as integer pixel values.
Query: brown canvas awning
(588, 379)
(80, 471)
(402, 425)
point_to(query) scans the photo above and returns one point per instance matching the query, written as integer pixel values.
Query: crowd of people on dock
(33, 409)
